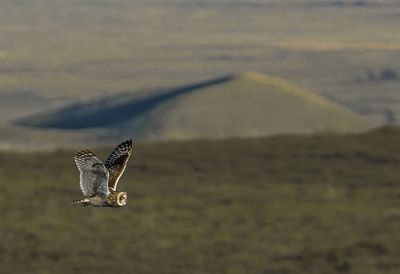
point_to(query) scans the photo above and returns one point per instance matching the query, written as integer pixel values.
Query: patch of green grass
(288, 204)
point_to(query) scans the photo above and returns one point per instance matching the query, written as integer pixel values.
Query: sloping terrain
(294, 204)
(17, 104)
(243, 105)
(330, 46)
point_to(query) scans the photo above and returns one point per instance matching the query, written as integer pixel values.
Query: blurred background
(265, 135)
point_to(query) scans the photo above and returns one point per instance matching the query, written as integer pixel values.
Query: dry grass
(90, 47)
(323, 204)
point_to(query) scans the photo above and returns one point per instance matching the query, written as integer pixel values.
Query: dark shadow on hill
(109, 111)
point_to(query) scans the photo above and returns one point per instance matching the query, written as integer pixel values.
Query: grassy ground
(322, 204)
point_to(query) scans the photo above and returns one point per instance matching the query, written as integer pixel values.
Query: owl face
(122, 198)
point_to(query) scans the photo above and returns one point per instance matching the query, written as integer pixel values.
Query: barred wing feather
(116, 162)
(93, 174)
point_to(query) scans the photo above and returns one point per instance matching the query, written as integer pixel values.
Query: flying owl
(99, 181)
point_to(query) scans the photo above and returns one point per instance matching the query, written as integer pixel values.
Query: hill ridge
(239, 105)
(284, 85)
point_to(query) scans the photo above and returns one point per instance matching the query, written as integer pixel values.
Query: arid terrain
(266, 135)
(54, 54)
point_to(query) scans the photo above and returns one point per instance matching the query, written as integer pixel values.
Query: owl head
(122, 198)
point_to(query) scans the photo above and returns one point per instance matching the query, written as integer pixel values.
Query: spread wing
(93, 174)
(116, 162)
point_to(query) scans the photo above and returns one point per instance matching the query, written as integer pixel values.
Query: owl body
(96, 201)
(114, 199)
(99, 181)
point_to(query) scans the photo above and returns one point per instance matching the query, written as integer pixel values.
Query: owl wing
(116, 162)
(93, 174)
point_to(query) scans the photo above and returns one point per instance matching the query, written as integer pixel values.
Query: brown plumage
(116, 162)
(99, 181)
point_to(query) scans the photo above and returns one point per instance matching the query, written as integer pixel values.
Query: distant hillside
(17, 104)
(244, 105)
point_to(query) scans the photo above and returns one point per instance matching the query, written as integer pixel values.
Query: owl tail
(83, 202)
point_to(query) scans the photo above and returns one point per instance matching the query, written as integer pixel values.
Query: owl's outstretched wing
(93, 174)
(116, 162)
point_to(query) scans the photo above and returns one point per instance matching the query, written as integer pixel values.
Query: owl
(99, 181)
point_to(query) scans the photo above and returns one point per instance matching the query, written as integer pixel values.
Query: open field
(288, 204)
(69, 50)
